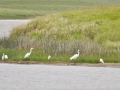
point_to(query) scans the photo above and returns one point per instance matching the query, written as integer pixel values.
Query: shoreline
(117, 65)
(8, 25)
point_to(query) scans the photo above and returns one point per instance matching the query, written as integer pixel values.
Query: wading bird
(4, 57)
(49, 57)
(101, 61)
(75, 56)
(28, 54)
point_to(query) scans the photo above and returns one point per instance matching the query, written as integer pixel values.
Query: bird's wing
(49, 57)
(6, 57)
(27, 55)
(2, 57)
(74, 56)
(101, 60)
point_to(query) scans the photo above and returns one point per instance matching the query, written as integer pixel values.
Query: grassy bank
(95, 32)
(26, 9)
(59, 50)
(37, 55)
(97, 25)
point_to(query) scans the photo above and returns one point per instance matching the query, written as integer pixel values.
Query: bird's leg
(49, 61)
(74, 62)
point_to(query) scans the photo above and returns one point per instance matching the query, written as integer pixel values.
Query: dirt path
(65, 64)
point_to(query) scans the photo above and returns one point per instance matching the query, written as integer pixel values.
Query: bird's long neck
(30, 50)
(78, 52)
(3, 57)
(3, 54)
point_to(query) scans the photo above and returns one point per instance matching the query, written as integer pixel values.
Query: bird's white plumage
(101, 60)
(75, 56)
(4, 57)
(28, 54)
(49, 57)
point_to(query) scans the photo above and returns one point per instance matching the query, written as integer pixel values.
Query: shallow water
(50, 77)
(7, 25)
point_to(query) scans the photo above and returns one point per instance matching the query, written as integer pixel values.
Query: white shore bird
(75, 56)
(4, 57)
(101, 61)
(28, 54)
(49, 57)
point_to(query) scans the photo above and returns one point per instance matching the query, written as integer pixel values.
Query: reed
(60, 51)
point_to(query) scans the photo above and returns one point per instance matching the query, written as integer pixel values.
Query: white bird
(101, 61)
(75, 56)
(4, 57)
(49, 57)
(28, 54)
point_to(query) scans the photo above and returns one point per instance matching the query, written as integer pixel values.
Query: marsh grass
(98, 25)
(59, 51)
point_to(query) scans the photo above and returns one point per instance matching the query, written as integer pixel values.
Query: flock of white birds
(71, 58)
(4, 57)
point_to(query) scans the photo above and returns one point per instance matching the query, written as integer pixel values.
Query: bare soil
(65, 64)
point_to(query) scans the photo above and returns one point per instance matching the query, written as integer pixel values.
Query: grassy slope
(94, 31)
(100, 25)
(25, 9)
(90, 30)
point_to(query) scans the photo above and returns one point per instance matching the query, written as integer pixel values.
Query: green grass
(39, 56)
(26, 9)
(98, 25)
(95, 31)
(60, 51)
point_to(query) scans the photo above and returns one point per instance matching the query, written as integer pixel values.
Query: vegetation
(97, 25)
(26, 9)
(92, 26)
(94, 31)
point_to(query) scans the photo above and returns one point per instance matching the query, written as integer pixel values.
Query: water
(50, 77)
(7, 25)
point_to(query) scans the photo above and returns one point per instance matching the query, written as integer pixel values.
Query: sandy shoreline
(64, 64)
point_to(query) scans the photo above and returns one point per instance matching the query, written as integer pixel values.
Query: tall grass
(95, 32)
(60, 51)
(98, 25)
